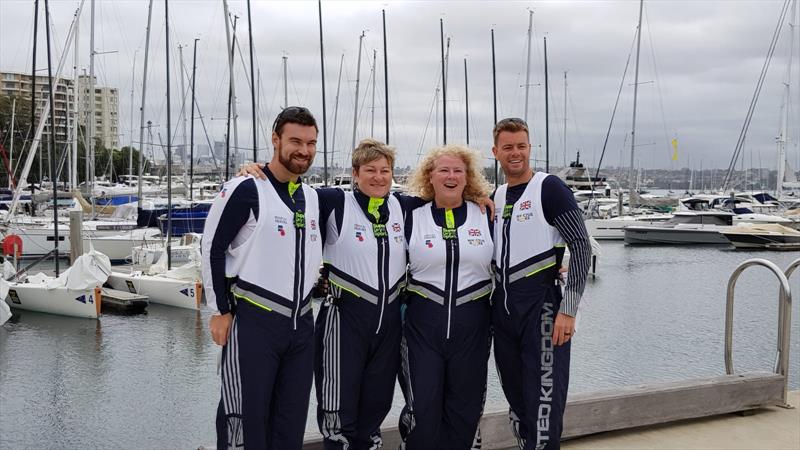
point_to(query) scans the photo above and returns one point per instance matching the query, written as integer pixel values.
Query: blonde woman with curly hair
(445, 344)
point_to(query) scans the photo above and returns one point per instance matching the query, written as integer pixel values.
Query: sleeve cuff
(569, 304)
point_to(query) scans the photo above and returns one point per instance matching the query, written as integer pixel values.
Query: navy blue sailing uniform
(446, 333)
(358, 327)
(533, 223)
(261, 254)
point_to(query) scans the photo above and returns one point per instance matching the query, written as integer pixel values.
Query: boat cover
(89, 270)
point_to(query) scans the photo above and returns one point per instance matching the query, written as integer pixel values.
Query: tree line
(108, 162)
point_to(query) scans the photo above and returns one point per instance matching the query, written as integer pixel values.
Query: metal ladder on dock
(784, 319)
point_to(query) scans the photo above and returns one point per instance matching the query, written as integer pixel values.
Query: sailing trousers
(267, 367)
(357, 357)
(444, 380)
(533, 372)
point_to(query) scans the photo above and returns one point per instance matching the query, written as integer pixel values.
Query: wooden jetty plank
(635, 406)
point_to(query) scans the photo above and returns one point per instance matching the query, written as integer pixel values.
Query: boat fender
(12, 243)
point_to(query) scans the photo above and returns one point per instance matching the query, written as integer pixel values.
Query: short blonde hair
(477, 186)
(369, 150)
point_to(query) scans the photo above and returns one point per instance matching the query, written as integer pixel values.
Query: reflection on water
(149, 381)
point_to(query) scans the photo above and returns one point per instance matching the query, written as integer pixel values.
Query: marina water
(149, 381)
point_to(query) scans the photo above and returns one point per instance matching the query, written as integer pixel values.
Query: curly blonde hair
(477, 186)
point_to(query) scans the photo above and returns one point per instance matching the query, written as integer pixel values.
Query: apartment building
(106, 111)
(19, 85)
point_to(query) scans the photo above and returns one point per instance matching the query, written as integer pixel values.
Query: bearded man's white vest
(279, 263)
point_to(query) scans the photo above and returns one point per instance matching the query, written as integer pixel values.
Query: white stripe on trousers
(407, 417)
(232, 388)
(331, 386)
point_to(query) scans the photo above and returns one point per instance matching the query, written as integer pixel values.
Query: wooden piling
(75, 235)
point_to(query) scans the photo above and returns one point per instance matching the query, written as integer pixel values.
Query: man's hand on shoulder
(253, 169)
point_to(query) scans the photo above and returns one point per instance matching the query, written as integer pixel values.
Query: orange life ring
(9, 243)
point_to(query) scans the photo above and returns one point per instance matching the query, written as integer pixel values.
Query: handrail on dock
(784, 318)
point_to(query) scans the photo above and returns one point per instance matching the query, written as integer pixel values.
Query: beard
(293, 165)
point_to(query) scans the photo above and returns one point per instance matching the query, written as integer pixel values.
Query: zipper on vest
(505, 255)
(383, 281)
(299, 268)
(450, 236)
(381, 236)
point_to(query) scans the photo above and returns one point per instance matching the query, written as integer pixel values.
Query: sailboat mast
(285, 83)
(234, 109)
(33, 76)
(73, 168)
(546, 113)
(51, 94)
(141, 107)
(385, 77)
(635, 94)
(130, 146)
(182, 71)
(444, 85)
(324, 109)
(169, 142)
(11, 149)
(191, 122)
(528, 65)
(90, 121)
(252, 85)
(372, 123)
(466, 98)
(494, 103)
(336, 110)
(230, 89)
(784, 134)
(358, 80)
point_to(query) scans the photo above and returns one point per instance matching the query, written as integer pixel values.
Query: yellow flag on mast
(674, 149)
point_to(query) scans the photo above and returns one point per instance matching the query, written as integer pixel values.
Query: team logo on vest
(476, 242)
(313, 224)
(525, 205)
(524, 217)
(281, 231)
(474, 232)
(222, 193)
(429, 240)
(360, 231)
(396, 227)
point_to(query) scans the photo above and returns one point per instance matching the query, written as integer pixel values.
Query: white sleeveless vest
(432, 275)
(279, 263)
(356, 259)
(534, 240)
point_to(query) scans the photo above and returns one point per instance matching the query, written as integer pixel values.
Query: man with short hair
(262, 249)
(535, 216)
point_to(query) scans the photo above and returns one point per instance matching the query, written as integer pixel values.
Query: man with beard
(535, 217)
(262, 249)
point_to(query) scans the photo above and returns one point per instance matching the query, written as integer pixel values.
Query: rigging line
(658, 87)
(614, 111)
(756, 93)
(427, 123)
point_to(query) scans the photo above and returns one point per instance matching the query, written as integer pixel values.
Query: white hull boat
(614, 228)
(60, 300)
(160, 289)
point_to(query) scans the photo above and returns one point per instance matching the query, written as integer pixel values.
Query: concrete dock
(766, 428)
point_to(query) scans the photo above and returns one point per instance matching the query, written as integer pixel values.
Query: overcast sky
(699, 64)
